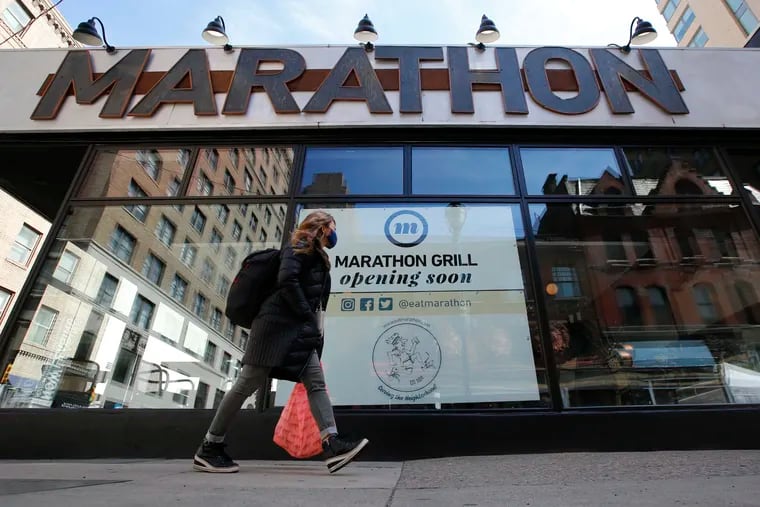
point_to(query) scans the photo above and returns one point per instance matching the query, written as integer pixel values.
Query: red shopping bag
(297, 431)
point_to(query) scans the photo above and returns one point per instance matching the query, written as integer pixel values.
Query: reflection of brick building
(167, 268)
(631, 275)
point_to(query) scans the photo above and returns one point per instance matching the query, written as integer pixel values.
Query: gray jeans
(253, 377)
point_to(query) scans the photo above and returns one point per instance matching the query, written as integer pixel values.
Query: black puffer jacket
(286, 331)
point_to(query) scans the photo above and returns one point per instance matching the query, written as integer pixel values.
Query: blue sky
(300, 22)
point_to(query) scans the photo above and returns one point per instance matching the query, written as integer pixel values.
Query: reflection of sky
(365, 170)
(577, 164)
(475, 171)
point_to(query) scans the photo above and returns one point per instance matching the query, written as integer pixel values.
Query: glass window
(204, 185)
(151, 161)
(24, 244)
(699, 40)
(42, 326)
(566, 279)
(725, 244)
(628, 304)
(188, 254)
(477, 171)
(178, 289)
(614, 247)
(216, 239)
(107, 290)
(198, 220)
(344, 171)
(268, 216)
(670, 9)
(658, 302)
(263, 236)
(183, 158)
(139, 211)
(676, 171)
(744, 15)
(262, 164)
(747, 303)
(234, 155)
(16, 16)
(218, 397)
(153, 268)
(237, 230)
(230, 259)
(683, 24)
(201, 395)
(664, 332)
(229, 182)
(746, 165)
(244, 337)
(222, 212)
(212, 158)
(115, 172)
(480, 308)
(122, 244)
(207, 271)
(5, 299)
(226, 363)
(66, 267)
(277, 234)
(243, 208)
(210, 356)
(200, 305)
(216, 319)
(570, 171)
(142, 312)
(223, 286)
(165, 231)
(254, 222)
(703, 298)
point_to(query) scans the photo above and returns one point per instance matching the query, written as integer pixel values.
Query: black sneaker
(211, 457)
(339, 452)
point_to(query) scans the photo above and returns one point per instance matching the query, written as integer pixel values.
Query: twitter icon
(385, 304)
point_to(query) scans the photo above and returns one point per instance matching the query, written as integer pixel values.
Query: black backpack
(255, 281)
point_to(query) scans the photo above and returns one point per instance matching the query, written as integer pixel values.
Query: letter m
(76, 72)
(406, 228)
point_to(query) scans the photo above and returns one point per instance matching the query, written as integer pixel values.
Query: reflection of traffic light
(6, 374)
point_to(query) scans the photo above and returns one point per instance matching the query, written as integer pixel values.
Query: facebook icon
(367, 304)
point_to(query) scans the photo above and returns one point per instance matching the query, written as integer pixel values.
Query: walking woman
(286, 343)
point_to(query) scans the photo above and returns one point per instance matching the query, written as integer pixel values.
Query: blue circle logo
(406, 228)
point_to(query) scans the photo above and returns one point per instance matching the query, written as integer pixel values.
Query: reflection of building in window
(642, 245)
(201, 396)
(660, 306)
(142, 312)
(200, 305)
(566, 279)
(24, 244)
(5, 299)
(66, 267)
(327, 183)
(153, 268)
(725, 242)
(151, 161)
(188, 254)
(178, 289)
(209, 357)
(687, 243)
(748, 304)
(198, 220)
(218, 398)
(212, 158)
(630, 311)
(122, 243)
(107, 290)
(165, 231)
(703, 298)
(42, 326)
(216, 323)
(613, 245)
(204, 185)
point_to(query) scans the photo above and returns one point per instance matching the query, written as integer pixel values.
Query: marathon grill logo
(190, 81)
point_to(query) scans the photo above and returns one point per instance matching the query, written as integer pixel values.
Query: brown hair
(308, 236)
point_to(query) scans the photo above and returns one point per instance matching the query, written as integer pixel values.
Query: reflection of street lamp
(456, 214)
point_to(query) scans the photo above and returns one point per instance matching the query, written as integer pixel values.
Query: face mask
(332, 239)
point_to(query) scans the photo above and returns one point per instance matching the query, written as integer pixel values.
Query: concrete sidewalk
(704, 478)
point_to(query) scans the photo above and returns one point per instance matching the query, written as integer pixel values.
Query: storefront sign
(353, 78)
(427, 307)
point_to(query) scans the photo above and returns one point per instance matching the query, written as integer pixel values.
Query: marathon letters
(190, 81)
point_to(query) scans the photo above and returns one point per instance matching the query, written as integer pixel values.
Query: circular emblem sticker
(406, 228)
(406, 357)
